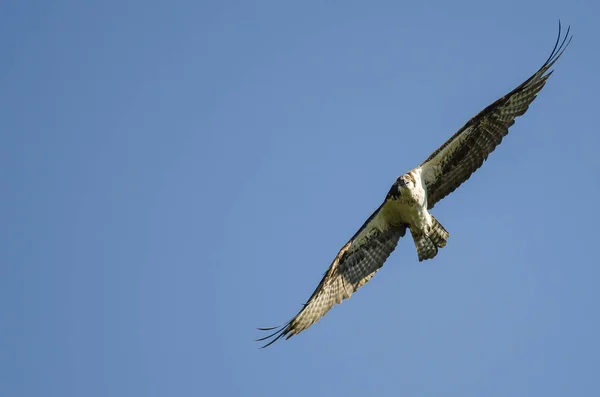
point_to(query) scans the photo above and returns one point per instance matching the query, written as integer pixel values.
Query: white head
(403, 185)
(406, 181)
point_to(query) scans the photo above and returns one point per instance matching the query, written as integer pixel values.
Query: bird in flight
(407, 204)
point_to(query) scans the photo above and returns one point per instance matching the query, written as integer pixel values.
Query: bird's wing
(455, 161)
(352, 267)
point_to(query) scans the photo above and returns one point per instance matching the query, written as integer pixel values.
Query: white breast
(411, 207)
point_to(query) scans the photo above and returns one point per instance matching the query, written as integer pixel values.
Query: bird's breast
(403, 210)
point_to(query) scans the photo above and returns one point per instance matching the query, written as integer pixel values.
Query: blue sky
(176, 174)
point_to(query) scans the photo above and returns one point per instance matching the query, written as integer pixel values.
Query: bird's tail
(427, 244)
(437, 233)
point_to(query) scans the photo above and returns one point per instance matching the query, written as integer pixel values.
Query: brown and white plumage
(412, 195)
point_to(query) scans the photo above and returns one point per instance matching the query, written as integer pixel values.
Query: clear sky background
(175, 174)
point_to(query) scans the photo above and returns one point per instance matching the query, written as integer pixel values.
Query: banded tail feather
(427, 243)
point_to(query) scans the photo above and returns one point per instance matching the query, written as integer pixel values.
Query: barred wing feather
(455, 161)
(354, 265)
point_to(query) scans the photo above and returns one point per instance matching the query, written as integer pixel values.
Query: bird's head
(406, 181)
(403, 184)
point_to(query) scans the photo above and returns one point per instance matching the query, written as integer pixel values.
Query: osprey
(407, 204)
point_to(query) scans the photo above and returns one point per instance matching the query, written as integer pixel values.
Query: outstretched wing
(353, 266)
(455, 161)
